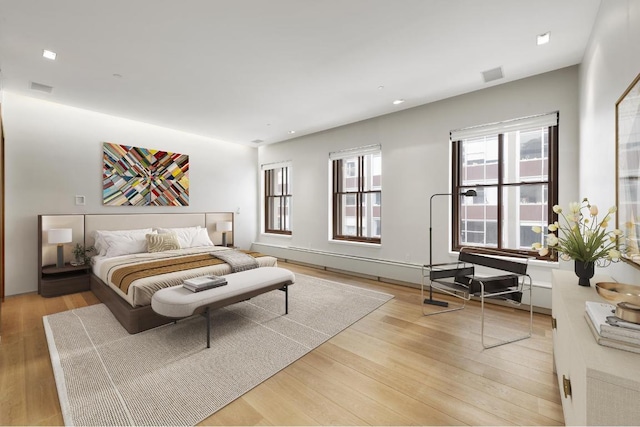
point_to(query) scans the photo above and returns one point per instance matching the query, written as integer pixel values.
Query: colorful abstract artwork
(134, 176)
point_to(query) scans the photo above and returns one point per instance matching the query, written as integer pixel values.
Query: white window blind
(524, 123)
(276, 165)
(351, 152)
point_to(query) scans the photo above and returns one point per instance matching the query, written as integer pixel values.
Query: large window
(357, 194)
(277, 200)
(513, 168)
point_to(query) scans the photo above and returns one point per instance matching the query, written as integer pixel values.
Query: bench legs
(207, 313)
(285, 289)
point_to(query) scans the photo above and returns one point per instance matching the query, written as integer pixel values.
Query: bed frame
(133, 319)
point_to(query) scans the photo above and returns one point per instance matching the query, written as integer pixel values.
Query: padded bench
(177, 302)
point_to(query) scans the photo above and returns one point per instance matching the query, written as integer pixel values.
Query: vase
(584, 271)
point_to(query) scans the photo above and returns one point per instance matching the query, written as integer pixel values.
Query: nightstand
(69, 279)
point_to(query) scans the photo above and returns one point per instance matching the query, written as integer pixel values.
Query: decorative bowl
(619, 292)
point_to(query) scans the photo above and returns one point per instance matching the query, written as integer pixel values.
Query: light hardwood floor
(393, 367)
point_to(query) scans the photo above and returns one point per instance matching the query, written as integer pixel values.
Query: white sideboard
(603, 382)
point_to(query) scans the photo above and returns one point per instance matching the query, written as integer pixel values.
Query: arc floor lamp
(430, 300)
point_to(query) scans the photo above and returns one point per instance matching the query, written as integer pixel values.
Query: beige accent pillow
(162, 242)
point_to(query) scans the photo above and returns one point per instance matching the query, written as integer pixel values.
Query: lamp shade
(60, 235)
(224, 226)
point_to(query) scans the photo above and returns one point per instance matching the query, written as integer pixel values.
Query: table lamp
(60, 236)
(224, 226)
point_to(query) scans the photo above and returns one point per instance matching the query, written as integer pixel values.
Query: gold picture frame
(628, 169)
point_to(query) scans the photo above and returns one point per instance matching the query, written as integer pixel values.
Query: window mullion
(359, 196)
(500, 183)
(267, 198)
(285, 181)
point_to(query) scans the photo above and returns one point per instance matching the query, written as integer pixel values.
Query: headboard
(84, 225)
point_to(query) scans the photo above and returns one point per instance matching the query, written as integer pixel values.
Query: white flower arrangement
(581, 236)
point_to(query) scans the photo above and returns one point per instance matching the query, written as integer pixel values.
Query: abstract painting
(134, 176)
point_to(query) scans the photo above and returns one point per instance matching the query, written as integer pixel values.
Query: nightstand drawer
(66, 280)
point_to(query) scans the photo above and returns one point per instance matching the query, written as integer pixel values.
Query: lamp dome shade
(224, 226)
(60, 235)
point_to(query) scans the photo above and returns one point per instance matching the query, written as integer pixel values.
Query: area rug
(167, 376)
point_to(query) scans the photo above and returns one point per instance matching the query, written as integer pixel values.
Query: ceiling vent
(41, 88)
(493, 74)
(257, 141)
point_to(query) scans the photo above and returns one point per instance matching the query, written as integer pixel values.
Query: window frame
(284, 198)
(360, 194)
(458, 188)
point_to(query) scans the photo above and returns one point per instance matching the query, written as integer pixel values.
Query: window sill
(353, 243)
(282, 236)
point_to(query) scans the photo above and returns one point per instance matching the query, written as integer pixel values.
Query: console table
(598, 385)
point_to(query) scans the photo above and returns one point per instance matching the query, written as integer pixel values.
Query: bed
(184, 246)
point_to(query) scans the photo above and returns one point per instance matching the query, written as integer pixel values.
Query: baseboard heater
(402, 264)
(354, 257)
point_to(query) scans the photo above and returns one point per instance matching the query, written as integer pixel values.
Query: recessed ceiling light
(398, 101)
(49, 54)
(291, 132)
(543, 38)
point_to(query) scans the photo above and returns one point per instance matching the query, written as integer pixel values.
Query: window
(357, 194)
(277, 200)
(513, 168)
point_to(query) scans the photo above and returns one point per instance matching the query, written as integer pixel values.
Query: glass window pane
(479, 161)
(350, 174)
(522, 208)
(349, 213)
(526, 156)
(372, 172)
(528, 237)
(478, 215)
(273, 217)
(277, 182)
(370, 216)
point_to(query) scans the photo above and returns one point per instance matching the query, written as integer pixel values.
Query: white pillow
(99, 236)
(189, 236)
(201, 238)
(125, 244)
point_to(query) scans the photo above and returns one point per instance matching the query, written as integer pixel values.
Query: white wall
(54, 152)
(415, 164)
(611, 62)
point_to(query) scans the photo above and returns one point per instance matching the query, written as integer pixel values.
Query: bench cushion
(178, 302)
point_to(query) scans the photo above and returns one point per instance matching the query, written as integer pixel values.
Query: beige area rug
(167, 376)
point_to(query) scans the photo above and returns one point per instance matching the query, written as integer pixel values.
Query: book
(608, 342)
(609, 326)
(202, 283)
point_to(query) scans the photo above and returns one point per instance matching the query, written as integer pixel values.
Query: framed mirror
(628, 169)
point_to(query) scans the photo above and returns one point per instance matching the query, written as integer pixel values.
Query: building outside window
(513, 168)
(277, 199)
(357, 194)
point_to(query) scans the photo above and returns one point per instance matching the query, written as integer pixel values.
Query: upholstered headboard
(84, 225)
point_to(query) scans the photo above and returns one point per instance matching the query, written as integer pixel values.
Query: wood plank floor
(393, 367)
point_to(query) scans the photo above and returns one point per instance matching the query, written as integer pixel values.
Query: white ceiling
(245, 70)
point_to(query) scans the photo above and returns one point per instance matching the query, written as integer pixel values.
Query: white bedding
(141, 290)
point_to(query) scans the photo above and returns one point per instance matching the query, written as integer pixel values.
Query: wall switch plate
(79, 200)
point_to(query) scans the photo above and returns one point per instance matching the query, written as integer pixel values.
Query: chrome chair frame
(459, 280)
